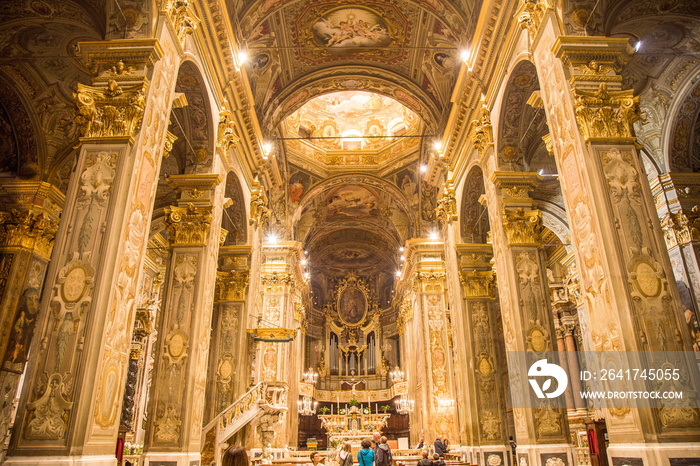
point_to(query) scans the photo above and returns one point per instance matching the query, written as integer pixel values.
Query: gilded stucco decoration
(110, 111)
(28, 230)
(352, 301)
(189, 225)
(606, 116)
(523, 227)
(181, 18)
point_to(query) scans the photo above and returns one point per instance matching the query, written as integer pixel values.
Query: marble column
(285, 296)
(528, 328)
(176, 400)
(424, 273)
(70, 406)
(226, 355)
(626, 277)
(27, 231)
(485, 390)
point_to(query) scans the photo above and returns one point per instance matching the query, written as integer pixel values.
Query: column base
(653, 454)
(171, 459)
(102, 460)
(537, 455)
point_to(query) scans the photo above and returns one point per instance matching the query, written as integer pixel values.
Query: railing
(262, 397)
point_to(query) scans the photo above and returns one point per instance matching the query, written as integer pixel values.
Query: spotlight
(541, 172)
(267, 148)
(423, 168)
(303, 262)
(242, 57)
(638, 46)
(437, 144)
(434, 235)
(398, 273)
(401, 249)
(464, 55)
(271, 238)
(305, 251)
(402, 259)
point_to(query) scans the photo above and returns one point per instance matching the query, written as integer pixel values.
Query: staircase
(262, 398)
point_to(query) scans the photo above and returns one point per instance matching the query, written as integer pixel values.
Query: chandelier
(309, 376)
(397, 375)
(307, 407)
(404, 405)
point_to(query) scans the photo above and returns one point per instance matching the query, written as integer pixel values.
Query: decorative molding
(446, 210)
(188, 226)
(259, 211)
(170, 139)
(405, 315)
(593, 60)
(515, 185)
(530, 15)
(227, 135)
(181, 18)
(523, 227)
(483, 131)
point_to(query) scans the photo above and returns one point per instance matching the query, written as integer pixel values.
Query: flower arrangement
(323, 409)
(131, 449)
(353, 403)
(386, 408)
(342, 411)
(365, 410)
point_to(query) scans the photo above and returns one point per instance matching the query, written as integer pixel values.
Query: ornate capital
(181, 18)
(477, 284)
(523, 227)
(231, 286)
(446, 210)
(259, 212)
(430, 281)
(28, 230)
(547, 138)
(483, 132)
(606, 116)
(530, 15)
(188, 226)
(227, 134)
(111, 111)
(277, 282)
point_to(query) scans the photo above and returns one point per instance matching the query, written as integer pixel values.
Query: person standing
(365, 457)
(382, 453)
(440, 447)
(345, 455)
(421, 444)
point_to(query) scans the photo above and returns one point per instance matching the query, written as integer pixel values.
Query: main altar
(352, 424)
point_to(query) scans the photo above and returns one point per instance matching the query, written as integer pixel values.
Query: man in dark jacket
(383, 455)
(440, 447)
(425, 461)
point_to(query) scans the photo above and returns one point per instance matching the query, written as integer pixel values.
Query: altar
(352, 425)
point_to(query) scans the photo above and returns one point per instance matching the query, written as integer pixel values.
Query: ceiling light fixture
(423, 168)
(398, 273)
(434, 235)
(638, 46)
(272, 238)
(437, 144)
(241, 58)
(464, 55)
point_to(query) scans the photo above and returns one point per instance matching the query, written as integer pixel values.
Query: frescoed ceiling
(404, 49)
(354, 94)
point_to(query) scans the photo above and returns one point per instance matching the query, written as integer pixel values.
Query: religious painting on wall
(352, 305)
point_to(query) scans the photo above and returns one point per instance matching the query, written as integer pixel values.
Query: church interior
(286, 225)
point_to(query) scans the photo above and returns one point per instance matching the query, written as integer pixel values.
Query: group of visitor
(375, 452)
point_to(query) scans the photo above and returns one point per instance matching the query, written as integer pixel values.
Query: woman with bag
(345, 455)
(365, 457)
